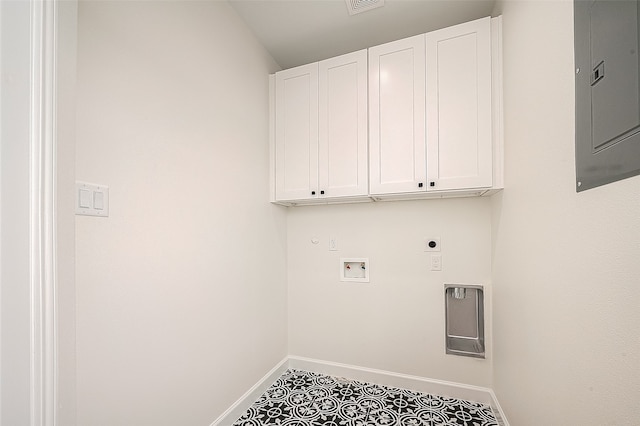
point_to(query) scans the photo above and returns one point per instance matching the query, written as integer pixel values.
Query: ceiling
(298, 32)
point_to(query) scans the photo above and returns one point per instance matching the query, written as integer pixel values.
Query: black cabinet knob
(321, 192)
(313, 192)
(432, 184)
(419, 184)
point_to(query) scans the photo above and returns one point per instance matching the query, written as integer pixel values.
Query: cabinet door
(459, 149)
(297, 133)
(343, 126)
(397, 116)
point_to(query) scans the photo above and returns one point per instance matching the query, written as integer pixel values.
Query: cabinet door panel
(397, 116)
(459, 149)
(343, 125)
(297, 133)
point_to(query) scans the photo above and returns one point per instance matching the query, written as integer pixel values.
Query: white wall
(181, 292)
(395, 322)
(15, 299)
(566, 266)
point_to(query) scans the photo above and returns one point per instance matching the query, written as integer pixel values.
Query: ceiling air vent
(359, 6)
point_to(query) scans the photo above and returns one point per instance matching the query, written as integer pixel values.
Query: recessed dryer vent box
(354, 269)
(464, 312)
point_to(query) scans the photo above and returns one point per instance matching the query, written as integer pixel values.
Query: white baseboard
(387, 378)
(381, 377)
(403, 381)
(241, 405)
(497, 410)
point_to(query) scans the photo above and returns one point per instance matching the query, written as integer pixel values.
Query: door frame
(42, 214)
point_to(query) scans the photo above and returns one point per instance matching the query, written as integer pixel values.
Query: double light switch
(92, 200)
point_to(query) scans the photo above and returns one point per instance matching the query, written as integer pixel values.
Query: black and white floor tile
(302, 398)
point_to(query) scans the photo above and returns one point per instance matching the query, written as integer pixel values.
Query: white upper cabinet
(459, 144)
(397, 117)
(431, 114)
(343, 154)
(296, 132)
(321, 130)
(419, 117)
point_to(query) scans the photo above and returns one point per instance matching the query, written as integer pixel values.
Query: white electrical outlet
(432, 244)
(436, 262)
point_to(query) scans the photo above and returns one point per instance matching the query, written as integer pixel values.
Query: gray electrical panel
(607, 91)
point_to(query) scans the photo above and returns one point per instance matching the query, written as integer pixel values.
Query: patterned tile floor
(302, 398)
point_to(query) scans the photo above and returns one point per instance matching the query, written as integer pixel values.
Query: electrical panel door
(607, 91)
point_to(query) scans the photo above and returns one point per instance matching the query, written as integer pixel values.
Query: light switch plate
(92, 199)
